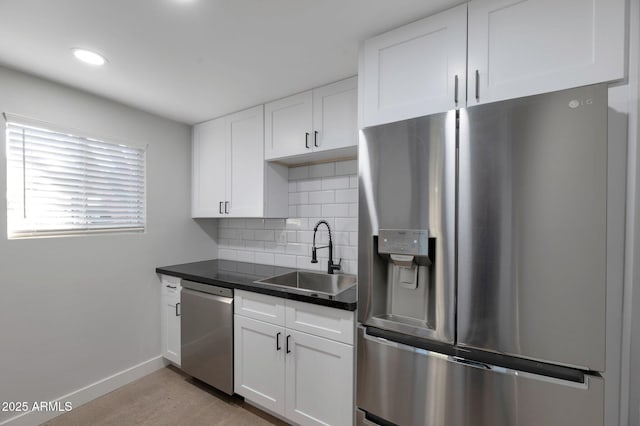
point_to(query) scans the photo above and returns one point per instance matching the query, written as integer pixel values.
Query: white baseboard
(90, 392)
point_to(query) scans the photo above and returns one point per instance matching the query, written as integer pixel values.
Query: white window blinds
(60, 184)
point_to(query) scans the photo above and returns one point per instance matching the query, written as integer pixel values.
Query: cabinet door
(246, 163)
(288, 124)
(415, 70)
(171, 327)
(319, 377)
(335, 115)
(525, 47)
(259, 352)
(209, 171)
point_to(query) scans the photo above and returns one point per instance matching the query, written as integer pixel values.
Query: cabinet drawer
(170, 286)
(334, 324)
(259, 306)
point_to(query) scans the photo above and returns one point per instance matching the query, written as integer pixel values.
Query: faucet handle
(335, 266)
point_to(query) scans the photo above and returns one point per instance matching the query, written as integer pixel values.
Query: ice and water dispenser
(408, 277)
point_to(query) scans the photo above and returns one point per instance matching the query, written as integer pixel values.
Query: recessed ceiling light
(89, 57)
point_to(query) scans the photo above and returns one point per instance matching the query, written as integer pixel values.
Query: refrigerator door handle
(470, 363)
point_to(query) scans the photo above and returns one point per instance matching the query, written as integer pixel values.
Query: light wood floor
(165, 397)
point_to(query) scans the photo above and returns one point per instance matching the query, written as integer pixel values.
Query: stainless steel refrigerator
(481, 265)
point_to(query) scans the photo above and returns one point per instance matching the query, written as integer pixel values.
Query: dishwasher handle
(207, 288)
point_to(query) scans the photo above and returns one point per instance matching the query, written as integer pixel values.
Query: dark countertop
(241, 275)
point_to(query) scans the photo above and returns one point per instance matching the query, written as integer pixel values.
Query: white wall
(322, 191)
(75, 310)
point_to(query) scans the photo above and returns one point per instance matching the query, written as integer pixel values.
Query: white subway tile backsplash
(265, 235)
(227, 254)
(335, 182)
(296, 198)
(287, 260)
(313, 221)
(264, 258)
(322, 170)
(350, 266)
(254, 223)
(353, 238)
(346, 196)
(234, 243)
(346, 252)
(347, 167)
(275, 247)
(321, 197)
(237, 223)
(307, 210)
(304, 237)
(298, 248)
(228, 233)
(304, 262)
(274, 223)
(326, 191)
(335, 210)
(248, 234)
(346, 224)
(296, 173)
(254, 245)
(310, 184)
(245, 256)
(353, 210)
(297, 223)
(353, 181)
(341, 238)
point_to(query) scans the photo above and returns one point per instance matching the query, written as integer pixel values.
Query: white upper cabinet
(509, 49)
(288, 125)
(524, 47)
(335, 115)
(319, 120)
(230, 177)
(209, 168)
(415, 70)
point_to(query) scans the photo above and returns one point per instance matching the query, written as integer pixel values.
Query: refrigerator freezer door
(413, 387)
(532, 227)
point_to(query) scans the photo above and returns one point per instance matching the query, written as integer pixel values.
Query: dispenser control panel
(404, 241)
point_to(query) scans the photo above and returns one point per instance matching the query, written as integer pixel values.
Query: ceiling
(193, 60)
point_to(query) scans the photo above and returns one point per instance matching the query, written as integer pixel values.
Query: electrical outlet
(282, 237)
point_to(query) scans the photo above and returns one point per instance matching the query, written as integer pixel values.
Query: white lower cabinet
(171, 319)
(259, 362)
(302, 377)
(318, 376)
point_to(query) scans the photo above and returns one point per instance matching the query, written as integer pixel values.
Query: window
(61, 184)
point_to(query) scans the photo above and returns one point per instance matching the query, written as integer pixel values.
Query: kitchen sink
(312, 282)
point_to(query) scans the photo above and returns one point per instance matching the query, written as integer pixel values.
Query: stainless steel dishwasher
(207, 334)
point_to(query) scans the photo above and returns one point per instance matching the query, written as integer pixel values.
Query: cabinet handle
(455, 90)
(226, 207)
(278, 347)
(220, 209)
(477, 86)
(315, 138)
(178, 309)
(288, 351)
(306, 140)
(170, 286)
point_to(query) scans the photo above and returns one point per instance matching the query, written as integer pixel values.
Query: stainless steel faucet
(314, 259)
